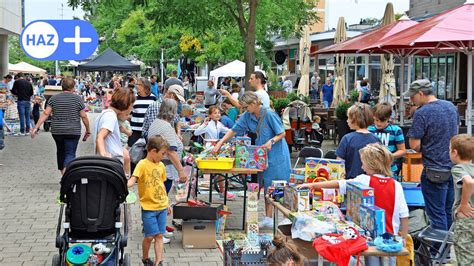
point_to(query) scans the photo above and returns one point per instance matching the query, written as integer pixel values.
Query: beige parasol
(305, 47)
(388, 92)
(339, 83)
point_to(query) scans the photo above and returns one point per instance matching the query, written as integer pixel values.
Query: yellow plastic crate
(215, 164)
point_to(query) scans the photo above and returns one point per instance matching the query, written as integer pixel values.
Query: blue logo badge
(59, 39)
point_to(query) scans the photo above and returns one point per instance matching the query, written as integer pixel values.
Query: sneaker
(166, 240)
(230, 196)
(267, 222)
(240, 194)
(169, 229)
(168, 234)
(148, 262)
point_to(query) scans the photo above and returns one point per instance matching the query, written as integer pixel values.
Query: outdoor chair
(330, 155)
(436, 239)
(308, 152)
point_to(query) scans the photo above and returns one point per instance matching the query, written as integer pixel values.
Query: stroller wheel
(126, 260)
(56, 260)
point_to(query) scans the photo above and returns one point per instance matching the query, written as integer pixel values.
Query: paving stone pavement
(29, 185)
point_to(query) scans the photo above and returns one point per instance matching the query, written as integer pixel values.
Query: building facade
(11, 20)
(421, 8)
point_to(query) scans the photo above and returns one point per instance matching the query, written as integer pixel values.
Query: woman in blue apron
(267, 125)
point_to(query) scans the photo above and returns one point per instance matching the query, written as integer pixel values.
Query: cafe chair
(308, 152)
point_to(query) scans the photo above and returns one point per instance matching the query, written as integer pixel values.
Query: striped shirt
(66, 118)
(390, 136)
(139, 109)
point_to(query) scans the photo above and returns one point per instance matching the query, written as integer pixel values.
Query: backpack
(138, 150)
(366, 95)
(339, 248)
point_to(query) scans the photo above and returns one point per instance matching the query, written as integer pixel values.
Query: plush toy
(349, 233)
(99, 250)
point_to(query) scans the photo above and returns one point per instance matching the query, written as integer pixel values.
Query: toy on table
(327, 210)
(357, 194)
(241, 141)
(389, 243)
(275, 191)
(326, 168)
(296, 199)
(372, 220)
(251, 157)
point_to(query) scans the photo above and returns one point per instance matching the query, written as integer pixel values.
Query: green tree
(216, 23)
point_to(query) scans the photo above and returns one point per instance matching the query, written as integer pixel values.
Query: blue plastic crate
(413, 194)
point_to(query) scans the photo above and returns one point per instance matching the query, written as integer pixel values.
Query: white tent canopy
(25, 68)
(235, 68)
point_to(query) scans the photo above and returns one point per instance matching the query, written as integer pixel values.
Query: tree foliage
(211, 31)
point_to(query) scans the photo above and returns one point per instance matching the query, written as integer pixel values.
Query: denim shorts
(154, 222)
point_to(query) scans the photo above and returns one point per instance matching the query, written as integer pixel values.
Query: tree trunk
(250, 42)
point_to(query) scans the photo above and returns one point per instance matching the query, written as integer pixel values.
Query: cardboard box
(296, 199)
(356, 195)
(321, 168)
(199, 234)
(372, 220)
(241, 141)
(296, 179)
(251, 157)
(183, 211)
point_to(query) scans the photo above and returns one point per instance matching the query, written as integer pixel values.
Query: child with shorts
(150, 173)
(389, 135)
(461, 153)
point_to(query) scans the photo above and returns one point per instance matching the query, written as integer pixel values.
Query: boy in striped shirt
(389, 135)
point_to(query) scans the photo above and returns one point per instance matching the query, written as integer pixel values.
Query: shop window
(374, 59)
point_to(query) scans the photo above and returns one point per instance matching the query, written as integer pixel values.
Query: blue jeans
(154, 222)
(24, 109)
(66, 146)
(439, 200)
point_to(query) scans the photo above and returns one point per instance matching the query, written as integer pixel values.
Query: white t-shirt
(400, 210)
(264, 98)
(235, 95)
(108, 120)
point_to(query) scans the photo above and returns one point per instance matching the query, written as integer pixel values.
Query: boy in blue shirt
(389, 135)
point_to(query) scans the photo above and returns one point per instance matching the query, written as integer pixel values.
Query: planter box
(277, 94)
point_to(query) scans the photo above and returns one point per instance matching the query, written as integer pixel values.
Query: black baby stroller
(92, 190)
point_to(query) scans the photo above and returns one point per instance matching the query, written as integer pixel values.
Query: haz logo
(59, 39)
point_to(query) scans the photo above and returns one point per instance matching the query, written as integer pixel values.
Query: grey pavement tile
(29, 211)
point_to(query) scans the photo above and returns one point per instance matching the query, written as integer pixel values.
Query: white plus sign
(77, 40)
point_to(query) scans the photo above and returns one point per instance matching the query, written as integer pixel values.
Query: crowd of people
(141, 109)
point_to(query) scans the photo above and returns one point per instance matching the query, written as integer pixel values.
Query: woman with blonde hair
(267, 126)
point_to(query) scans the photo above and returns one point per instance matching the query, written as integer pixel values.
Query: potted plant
(342, 127)
(276, 91)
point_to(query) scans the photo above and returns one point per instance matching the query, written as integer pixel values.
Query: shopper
(23, 89)
(435, 122)
(143, 100)
(270, 134)
(67, 111)
(359, 118)
(150, 174)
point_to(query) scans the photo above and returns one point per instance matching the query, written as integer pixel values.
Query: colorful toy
(251, 157)
(372, 219)
(78, 254)
(296, 179)
(296, 199)
(100, 250)
(241, 141)
(327, 210)
(326, 168)
(357, 195)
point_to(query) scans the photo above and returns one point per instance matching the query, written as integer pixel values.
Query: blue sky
(48, 9)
